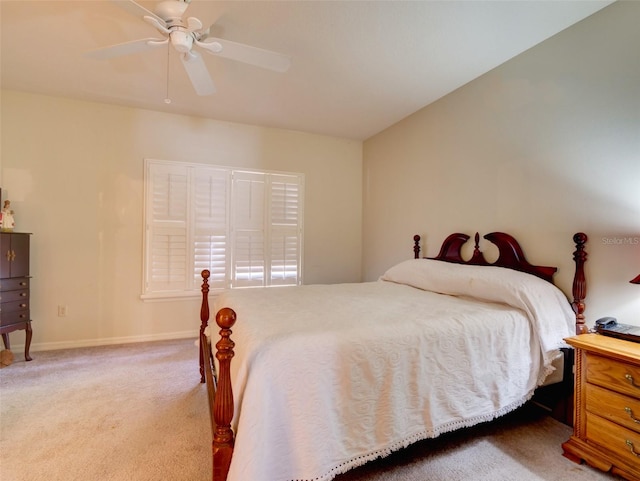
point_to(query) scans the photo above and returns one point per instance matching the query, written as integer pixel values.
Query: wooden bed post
(416, 246)
(204, 319)
(223, 439)
(579, 282)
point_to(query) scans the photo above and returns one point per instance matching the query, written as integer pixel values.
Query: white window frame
(258, 231)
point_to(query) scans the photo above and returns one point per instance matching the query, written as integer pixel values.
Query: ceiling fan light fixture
(181, 40)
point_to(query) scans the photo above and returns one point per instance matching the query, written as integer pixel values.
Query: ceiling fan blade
(157, 24)
(127, 48)
(137, 10)
(198, 73)
(246, 54)
(194, 24)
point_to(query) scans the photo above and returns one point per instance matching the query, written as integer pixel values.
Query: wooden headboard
(511, 256)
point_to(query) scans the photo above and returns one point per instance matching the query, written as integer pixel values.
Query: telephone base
(621, 331)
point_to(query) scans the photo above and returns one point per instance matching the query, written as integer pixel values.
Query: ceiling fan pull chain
(167, 99)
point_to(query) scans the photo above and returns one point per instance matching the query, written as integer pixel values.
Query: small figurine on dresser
(7, 222)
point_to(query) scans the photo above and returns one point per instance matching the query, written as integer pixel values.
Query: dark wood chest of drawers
(14, 287)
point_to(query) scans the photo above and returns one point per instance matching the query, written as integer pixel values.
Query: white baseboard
(17, 349)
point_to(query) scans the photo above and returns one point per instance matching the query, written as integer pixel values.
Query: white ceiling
(357, 66)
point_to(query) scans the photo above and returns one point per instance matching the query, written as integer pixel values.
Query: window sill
(174, 296)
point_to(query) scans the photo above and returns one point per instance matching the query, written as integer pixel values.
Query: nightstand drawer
(620, 409)
(624, 443)
(613, 374)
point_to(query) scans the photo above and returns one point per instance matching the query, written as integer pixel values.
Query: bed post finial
(416, 246)
(204, 317)
(223, 440)
(579, 282)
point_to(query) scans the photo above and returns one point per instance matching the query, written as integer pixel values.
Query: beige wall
(546, 145)
(74, 173)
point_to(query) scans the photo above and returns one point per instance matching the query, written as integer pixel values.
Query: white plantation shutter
(248, 229)
(249, 265)
(210, 226)
(244, 227)
(167, 231)
(286, 229)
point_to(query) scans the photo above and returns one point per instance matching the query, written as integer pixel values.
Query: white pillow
(545, 305)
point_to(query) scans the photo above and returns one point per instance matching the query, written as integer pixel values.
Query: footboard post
(204, 318)
(579, 282)
(223, 440)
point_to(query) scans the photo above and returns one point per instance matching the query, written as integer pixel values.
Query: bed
(325, 378)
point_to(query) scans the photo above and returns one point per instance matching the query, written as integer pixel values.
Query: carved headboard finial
(477, 258)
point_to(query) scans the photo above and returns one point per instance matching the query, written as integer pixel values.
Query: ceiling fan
(183, 34)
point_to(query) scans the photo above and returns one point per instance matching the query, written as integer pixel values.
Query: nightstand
(606, 430)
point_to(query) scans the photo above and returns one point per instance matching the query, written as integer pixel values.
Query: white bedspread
(328, 377)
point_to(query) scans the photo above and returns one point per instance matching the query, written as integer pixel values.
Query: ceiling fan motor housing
(171, 11)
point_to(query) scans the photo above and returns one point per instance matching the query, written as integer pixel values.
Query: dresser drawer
(13, 284)
(623, 410)
(624, 443)
(14, 317)
(21, 305)
(19, 295)
(613, 374)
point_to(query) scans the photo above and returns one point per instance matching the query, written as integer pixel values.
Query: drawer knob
(631, 448)
(629, 378)
(630, 413)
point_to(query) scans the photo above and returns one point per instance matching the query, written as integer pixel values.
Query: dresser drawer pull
(629, 378)
(631, 448)
(630, 413)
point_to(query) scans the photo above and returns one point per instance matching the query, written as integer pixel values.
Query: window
(244, 226)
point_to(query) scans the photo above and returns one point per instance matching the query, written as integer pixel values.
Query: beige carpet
(138, 412)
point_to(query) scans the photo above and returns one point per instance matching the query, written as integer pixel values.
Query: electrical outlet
(62, 311)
